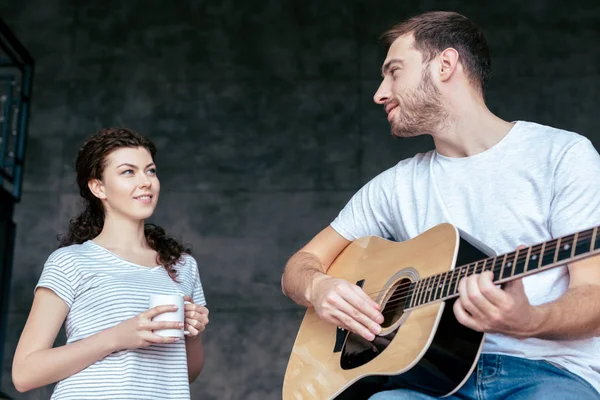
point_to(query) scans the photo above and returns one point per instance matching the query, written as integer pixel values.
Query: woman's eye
(127, 172)
(152, 171)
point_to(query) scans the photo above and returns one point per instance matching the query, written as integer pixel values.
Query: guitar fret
(534, 258)
(556, 250)
(514, 263)
(411, 303)
(446, 283)
(426, 284)
(410, 293)
(443, 287)
(574, 245)
(437, 288)
(461, 271)
(470, 269)
(584, 242)
(421, 291)
(453, 280)
(489, 264)
(431, 288)
(541, 255)
(506, 271)
(565, 248)
(548, 254)
(596, 240)
(527, 258)
(434, 287)
(480, 264)
(520, 263)
(498, 261)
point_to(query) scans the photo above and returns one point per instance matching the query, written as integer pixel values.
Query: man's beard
(420, 111)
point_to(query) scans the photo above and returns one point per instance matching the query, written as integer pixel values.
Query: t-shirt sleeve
(369, 211)
(56, 279)
(575, 204)
(197, 290)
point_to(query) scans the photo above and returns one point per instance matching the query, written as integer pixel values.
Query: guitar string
(509, 257)
(473, 268)
(463, 271)
(470, 269)
(374, 295)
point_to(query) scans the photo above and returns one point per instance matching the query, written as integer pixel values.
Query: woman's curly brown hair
(90, 164)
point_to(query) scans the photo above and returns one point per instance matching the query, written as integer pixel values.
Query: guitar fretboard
(506, 267)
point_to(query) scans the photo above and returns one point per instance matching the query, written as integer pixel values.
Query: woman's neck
(122, 233)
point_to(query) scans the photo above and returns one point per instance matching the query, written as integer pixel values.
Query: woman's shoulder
(187, 261)
(64, 256)
(187, 266)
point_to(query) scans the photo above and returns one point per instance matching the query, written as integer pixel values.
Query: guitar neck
(509, 266)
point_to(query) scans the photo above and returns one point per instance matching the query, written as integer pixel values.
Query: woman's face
(129, 185)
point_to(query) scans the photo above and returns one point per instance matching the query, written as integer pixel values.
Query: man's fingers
(344, 321)
(483, 294)
(362, 302)
(465, 298)
(356, 315)
(488, 289)
(464, 318)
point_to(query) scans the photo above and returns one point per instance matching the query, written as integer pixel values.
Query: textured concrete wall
(262, 112)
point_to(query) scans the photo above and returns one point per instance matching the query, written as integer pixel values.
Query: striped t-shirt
(102, 290)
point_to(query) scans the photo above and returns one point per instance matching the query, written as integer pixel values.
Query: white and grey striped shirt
(102, 290)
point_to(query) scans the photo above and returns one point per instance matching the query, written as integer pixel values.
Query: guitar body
(423, 349)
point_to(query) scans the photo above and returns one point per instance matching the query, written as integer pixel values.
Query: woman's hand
(138, 332)
(196, 317)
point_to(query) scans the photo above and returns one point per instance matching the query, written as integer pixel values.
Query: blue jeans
(498, 377)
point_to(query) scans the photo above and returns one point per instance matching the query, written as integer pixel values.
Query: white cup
(177, 315)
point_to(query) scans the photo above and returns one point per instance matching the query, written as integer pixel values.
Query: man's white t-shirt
(536, 184)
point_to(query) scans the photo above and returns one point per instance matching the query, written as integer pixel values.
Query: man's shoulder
(407, 165)
(544, 134)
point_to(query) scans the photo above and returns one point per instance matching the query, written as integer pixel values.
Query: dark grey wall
(263, 117)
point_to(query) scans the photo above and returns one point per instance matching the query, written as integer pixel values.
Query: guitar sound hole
(394, 304)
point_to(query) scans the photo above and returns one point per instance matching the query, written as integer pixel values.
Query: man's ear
(97, 188)
(448, 63)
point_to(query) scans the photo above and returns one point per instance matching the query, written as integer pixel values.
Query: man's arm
(576, 314)
(335, 300)
(309, 263)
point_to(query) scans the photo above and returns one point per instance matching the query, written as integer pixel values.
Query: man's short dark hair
(438, 30)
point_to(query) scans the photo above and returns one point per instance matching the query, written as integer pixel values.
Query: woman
(100, 281)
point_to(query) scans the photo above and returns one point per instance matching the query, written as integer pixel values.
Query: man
(504, 183)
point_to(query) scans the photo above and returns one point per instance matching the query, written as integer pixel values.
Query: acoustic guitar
(422, 346)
